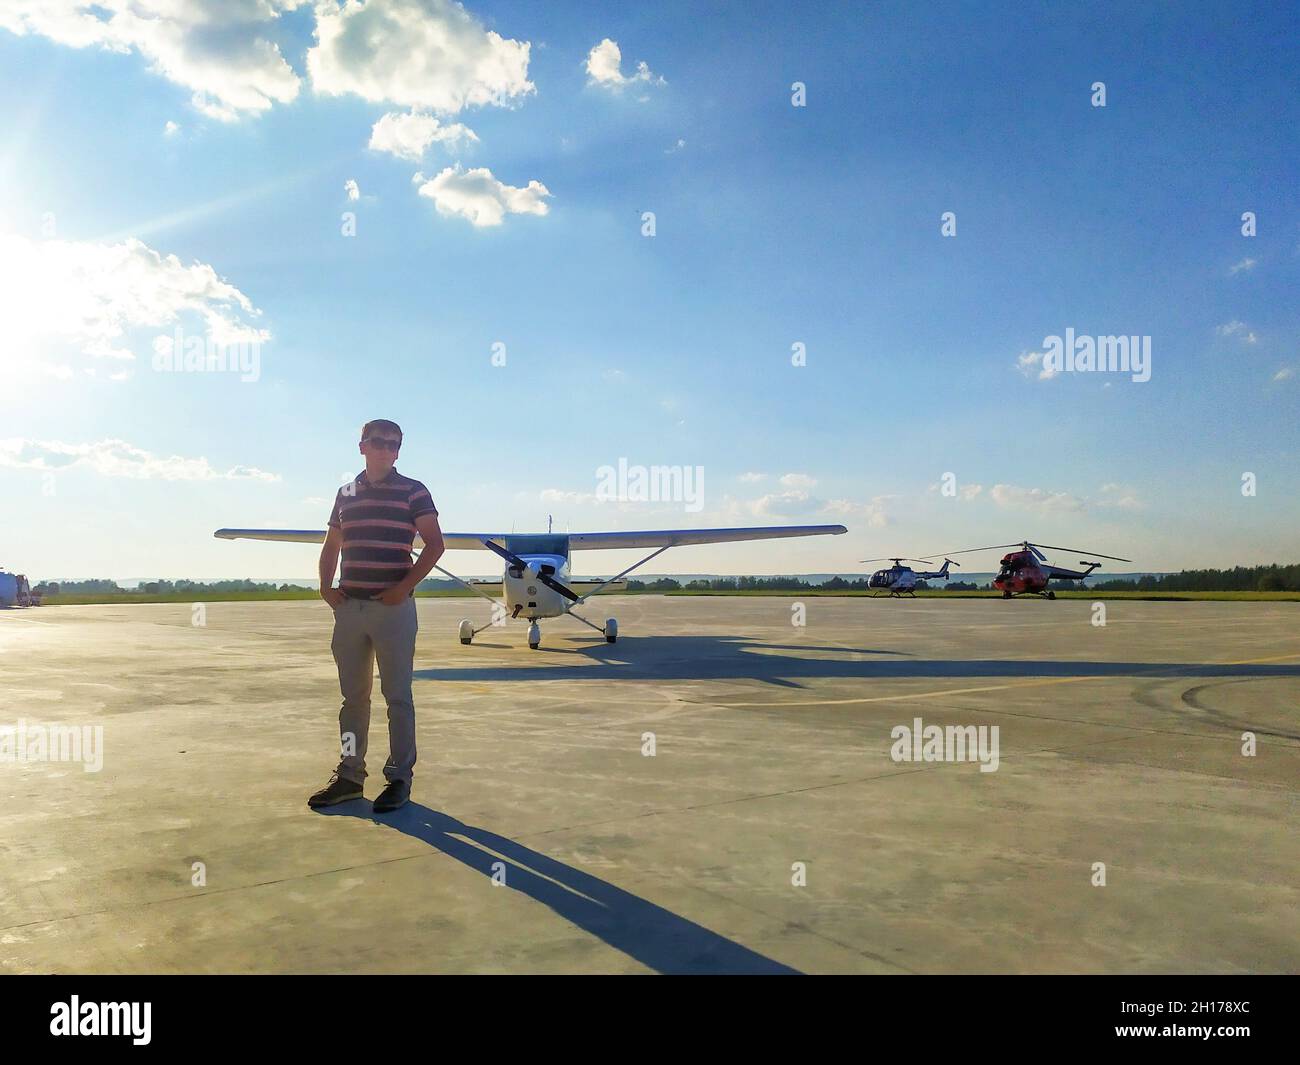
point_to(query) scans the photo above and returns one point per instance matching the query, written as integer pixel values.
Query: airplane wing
(680, 537)
(577, 541)
(452, 541)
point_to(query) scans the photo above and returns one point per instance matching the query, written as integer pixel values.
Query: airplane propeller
(542, 578)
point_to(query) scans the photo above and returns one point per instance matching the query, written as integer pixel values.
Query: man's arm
(431, 533)
(329, 562)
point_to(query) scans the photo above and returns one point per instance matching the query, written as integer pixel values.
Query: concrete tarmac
(772, 829)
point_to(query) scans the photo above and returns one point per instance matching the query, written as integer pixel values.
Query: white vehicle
(536, 581)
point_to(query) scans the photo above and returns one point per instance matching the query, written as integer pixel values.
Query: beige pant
(365, 630)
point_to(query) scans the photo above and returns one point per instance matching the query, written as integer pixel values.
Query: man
(373, 524)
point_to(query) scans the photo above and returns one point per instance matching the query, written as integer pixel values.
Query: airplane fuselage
(528, 597)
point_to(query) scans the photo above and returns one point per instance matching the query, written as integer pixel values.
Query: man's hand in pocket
(394, 596)
(332, 596)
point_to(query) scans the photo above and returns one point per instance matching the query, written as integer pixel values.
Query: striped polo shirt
(378, 525)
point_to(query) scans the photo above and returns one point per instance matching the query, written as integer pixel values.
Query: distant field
(306, 593)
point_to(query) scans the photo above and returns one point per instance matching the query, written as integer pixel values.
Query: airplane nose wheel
(534, 635)
(466, 630)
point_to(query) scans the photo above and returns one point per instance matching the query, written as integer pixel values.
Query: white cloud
(117, 458)
(1031, 362)
(603, 68)
(797, 502)
(874, 512)
(216, 48)
(171, 129)
(752, 478)
(57, 295)
(352, 189)
(1008, 495)
(1236, 329)
(1284, 373)
(785, 504)
(1245, 264)
(676, 147)
(1122, 496)
(969, 492)
(798, 480)
(478, 196)
(428, 54)
(408, 135)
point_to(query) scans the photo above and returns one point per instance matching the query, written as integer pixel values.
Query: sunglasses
(383, 442)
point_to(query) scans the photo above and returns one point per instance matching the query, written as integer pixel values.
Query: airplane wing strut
(636, 565)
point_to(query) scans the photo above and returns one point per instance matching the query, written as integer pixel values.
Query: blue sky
(774, 224)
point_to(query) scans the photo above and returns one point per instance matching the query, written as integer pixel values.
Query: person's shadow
(652, 935)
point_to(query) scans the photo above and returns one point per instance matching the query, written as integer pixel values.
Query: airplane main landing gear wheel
(1006, 595)
(611, 630)
(1051, 595)
(466, 631)
(534, 635)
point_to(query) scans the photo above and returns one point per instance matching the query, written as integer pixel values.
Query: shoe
(397, 794)
(336, 791)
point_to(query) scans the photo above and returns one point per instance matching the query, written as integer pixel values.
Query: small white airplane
(536, 579)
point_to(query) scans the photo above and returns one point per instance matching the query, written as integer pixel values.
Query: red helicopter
(1026, 570)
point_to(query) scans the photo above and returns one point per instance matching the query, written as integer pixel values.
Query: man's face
(380, 448)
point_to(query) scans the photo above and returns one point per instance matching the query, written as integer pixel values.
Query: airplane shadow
(657, 938)
(678, 658)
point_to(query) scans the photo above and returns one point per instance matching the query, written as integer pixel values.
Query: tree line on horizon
(1270, 578)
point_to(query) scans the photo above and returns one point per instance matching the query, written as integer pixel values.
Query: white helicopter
(536, 579)
(900, 579)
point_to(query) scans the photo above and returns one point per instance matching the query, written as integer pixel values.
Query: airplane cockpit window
(543, 544)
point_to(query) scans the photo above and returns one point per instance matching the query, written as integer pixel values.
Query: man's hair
(383, 425)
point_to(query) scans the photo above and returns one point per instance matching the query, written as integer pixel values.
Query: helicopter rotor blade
(1078, 551)
(972, 550)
